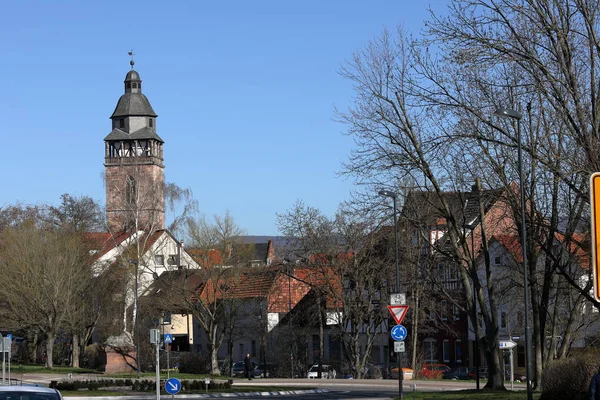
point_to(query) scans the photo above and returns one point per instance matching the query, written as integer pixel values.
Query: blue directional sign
(172, 386)
(399, 332)
(9, 336)
(168, 338)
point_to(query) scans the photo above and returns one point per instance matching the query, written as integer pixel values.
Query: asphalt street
(334, 389)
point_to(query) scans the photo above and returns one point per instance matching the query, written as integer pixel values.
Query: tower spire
(131, 53)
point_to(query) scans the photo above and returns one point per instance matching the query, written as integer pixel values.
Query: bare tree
(47, 270)
(219, 249)
(424, 110)
(350, 276)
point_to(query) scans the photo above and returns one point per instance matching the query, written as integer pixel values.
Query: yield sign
(398, 312)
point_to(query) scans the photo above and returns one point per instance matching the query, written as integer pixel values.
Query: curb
(204, 395)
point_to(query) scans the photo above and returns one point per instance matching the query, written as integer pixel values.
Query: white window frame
(446, 350)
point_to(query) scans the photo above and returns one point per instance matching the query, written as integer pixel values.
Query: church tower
(133, 161)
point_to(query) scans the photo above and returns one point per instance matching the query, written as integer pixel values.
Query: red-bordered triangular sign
(398, 312)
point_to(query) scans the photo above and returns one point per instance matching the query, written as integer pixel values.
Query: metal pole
(3, 363)
(525, 274)
(476, 350)
(158, 369)
(512, 369)
(135, 327)
(290, 319)
(398, 355)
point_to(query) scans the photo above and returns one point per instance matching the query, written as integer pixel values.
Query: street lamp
(290, 318)
(516, 115)
(475, 319)
(387, 193)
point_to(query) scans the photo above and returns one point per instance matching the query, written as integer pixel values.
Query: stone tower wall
(147, 205)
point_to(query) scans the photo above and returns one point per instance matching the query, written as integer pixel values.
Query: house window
(172, 260)
(151, 122)
(455, 312)
(159, 259)
(430, 349)
(458, 350)
(122, 123)
(446, 350)
(497, 260)
(520, 319)
(134, 85)
(443, 312)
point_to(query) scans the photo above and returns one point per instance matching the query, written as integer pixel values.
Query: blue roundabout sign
(399, 333)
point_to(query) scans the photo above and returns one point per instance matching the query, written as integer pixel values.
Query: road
(333, 389)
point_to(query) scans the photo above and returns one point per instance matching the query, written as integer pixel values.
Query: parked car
(459, 373)
(238, 369)
(518, 377)
(372, 371)
(29, 392)
(327, 372)
(386, 369)
(433, 371)
(407, 373)
(267, 370)
(483, 373)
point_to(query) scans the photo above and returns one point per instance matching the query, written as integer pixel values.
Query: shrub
(569, 378)
(194, 364)
(93, 357)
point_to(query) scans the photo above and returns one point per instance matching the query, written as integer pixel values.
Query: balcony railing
(133, 160)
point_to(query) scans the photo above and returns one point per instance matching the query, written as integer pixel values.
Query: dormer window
(122, 123)
(151, 122)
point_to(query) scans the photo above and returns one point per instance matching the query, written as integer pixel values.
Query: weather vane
(131, 53)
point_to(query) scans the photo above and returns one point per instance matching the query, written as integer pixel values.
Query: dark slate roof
(133, 104)
(132, 76)
(140, 134)
(426, 206)
(260, 251)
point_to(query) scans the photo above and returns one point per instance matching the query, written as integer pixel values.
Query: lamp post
(516, 115)
(387, 193)
(475, 319)
(290, 318)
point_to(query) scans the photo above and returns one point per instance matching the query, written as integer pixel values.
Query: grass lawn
(32, 369)
(470, 394)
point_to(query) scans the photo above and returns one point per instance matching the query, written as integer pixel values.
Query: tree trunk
(50, 350)
(213, 350)
(75, 350)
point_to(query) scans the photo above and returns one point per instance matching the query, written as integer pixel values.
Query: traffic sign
(399, 333)
(398, 299)
(172, 386)
(398, 312)
(506, 344)
(399, 347)
(595, 205)
(168, 338)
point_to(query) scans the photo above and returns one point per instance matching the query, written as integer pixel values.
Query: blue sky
(244, 91)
